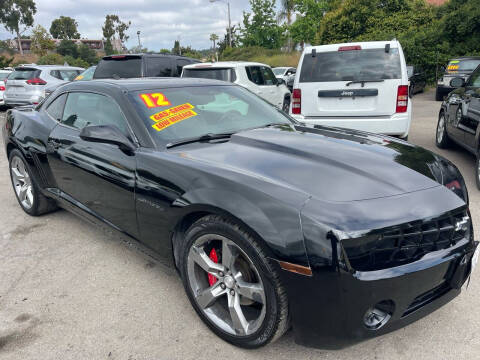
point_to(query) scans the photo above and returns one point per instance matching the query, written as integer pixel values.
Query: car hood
(326, 163)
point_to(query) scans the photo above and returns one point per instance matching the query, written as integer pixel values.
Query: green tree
(214, 38)
(224, 43)
(75, 62)
(165, 51)
(64, 28)
(17, 13)
(86, 54)
(41, 41)
(309, 17)
(5, 61)
(176, 48)
(286, 13)
(108, 47)
(67, 47)
(51, 59)
(114, 26)
(260, 27)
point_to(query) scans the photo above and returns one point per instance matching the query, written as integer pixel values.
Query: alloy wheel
(226, 285)
(22, 182)
(441, 128)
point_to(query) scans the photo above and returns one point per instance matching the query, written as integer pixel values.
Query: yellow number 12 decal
(154, 100)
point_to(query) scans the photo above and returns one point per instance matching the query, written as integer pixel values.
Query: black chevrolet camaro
(342, 235)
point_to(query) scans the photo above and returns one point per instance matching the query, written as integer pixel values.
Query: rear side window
(255, 75)
(121, 67)
(3, 76)
(67, 75)
(24, 74)
(226, 74)
(268, 76)
(180, 64)
(353, 65)
(159, 67)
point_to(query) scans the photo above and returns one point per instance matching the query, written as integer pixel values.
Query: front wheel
(231, 283)
(442, 140)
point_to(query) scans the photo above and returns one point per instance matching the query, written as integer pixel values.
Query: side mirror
(280, 82)
(107, 134)
(457, 82)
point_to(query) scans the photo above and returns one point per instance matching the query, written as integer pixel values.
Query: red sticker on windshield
(154, 100)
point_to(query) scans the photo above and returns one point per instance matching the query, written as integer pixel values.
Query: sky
(160, 22)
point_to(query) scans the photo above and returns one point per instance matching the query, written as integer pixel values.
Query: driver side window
(474, 80)
(84, 109)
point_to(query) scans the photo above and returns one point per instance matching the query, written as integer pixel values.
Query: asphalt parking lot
(70, 290)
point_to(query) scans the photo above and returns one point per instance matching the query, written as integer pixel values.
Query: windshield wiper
(205, 137)
(364, 81)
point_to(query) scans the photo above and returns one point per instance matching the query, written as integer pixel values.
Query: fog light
(378, 315)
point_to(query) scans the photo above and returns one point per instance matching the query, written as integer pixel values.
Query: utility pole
(229, 20)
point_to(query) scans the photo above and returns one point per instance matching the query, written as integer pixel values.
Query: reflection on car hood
(326, 163)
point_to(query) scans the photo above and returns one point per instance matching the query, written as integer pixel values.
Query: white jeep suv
(256, 77)
(362, 85)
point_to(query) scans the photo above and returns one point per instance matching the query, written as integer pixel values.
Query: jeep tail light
(297, 101)
(36, 81)
(2, 88)
(402, 99)
(350, 48)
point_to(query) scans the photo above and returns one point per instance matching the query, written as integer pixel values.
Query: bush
(51, 59)
(266, 56)
(76, 62)
(67, 47)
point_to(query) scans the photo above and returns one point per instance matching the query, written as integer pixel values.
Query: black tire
(442, 142)
(276, 319)
(286, 104)
(438, 95)
(40, 204)
(477, 171)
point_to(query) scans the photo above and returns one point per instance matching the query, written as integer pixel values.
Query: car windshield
(226, 74)
(3, 76)
(354, 65)
(463, 65)
(87, 74)
(179, 113)
(278, 71)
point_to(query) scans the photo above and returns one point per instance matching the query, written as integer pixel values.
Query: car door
(262, 84)
(472, 109)
(99, 178)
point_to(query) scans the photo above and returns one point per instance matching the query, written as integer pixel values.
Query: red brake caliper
(213, 256)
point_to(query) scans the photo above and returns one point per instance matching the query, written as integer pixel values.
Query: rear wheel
(32, 201)
(232, 284)
(442, 140)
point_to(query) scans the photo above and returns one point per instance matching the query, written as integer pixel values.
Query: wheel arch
(192, 213)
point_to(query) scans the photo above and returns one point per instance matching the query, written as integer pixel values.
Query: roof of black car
(148, 83)
(466, 58)
(146, 55)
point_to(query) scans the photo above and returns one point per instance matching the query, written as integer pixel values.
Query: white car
(362, 85)
(287, 74)
(256, 77)
(3, 76)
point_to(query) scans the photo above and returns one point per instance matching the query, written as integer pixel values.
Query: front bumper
(397, 124)
(328, 308)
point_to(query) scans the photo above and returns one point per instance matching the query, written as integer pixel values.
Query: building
(97, 45)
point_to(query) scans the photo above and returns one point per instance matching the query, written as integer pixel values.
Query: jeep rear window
(119, 67)
(226, 74)
(353, 65)
(24, 74)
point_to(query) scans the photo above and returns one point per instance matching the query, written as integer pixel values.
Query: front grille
(405, 243)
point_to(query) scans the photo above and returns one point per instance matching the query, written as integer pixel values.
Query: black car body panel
(462, 113)
(312, 196)
(141, 65)
(417, 78)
